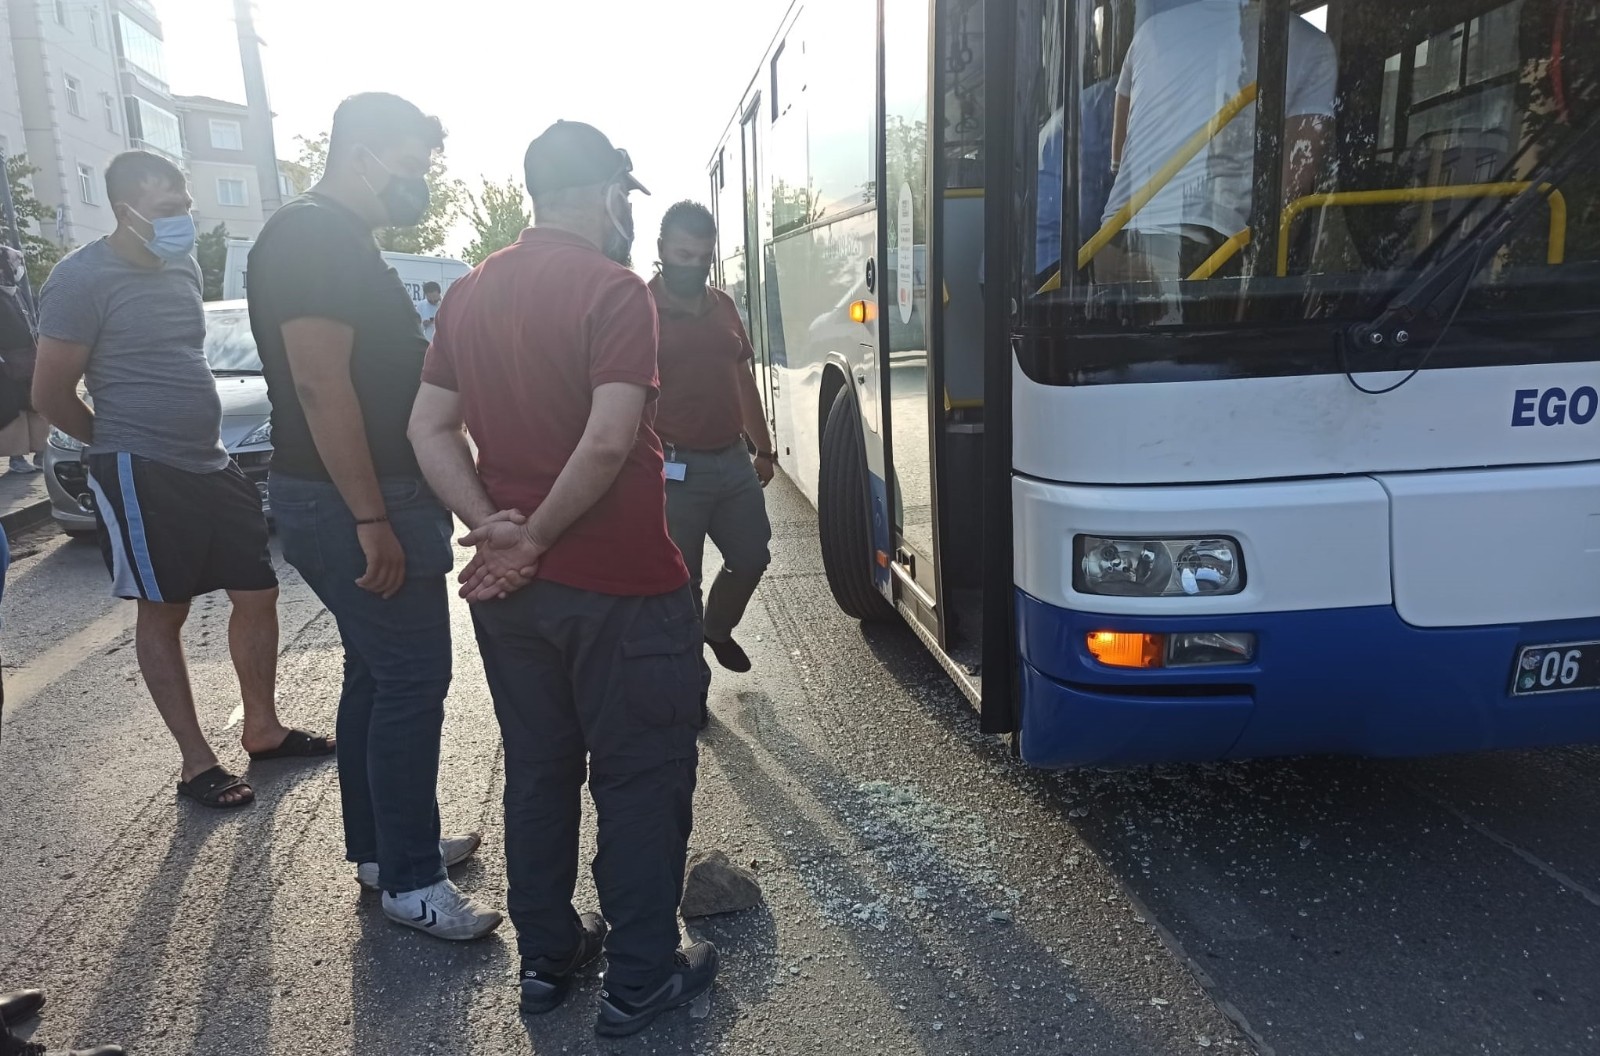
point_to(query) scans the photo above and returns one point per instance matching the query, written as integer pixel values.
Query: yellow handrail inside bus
(1225, 252)
(1555, 254)
(1163, 176)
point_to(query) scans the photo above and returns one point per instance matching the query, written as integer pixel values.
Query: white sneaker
(453, 849)
(442, 911)
(20, 464)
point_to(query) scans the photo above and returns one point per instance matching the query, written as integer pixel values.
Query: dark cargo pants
(617, 683)
(721, 496)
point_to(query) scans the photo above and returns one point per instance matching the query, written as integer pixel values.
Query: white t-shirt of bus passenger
(1183, 66)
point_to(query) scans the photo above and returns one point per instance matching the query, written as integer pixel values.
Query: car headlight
(261, 435)
(1157, 568)
(62, 442)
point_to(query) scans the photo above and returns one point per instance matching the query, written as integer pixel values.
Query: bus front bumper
(1340, 681)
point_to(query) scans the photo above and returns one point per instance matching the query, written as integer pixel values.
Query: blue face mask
(172, 238)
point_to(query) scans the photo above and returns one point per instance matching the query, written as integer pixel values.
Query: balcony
(135, 76)
(134, 143)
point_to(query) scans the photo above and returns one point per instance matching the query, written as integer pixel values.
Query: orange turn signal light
(1121, 649)
(863, 311)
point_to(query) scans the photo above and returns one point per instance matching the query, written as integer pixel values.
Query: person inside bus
(1182, 69)
(1094, 177)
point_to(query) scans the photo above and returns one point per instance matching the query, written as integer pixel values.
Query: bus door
(756, 307)
(905, 363)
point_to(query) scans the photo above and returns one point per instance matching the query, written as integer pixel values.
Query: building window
(141, 48)
(152, 128)
(61, 12)
(285, 188)
(109, 104)
(86, 184)
(232, 192)
(226, 135)
(94, 26)
(74, 96)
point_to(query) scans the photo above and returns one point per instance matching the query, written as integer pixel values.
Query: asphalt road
(925, 893)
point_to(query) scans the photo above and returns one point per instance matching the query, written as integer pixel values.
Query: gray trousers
(720, 496)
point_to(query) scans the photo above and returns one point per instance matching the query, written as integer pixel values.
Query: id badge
(675, 470)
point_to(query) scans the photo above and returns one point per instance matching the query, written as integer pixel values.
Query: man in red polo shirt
(588, 630)
(709, 406)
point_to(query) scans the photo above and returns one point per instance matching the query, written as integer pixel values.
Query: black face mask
(405, 199)
(685, 280)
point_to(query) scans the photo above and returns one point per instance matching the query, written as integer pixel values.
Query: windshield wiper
(1429, 303)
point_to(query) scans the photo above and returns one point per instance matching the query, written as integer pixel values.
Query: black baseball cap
(573, 154)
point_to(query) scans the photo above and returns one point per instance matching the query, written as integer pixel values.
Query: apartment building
(83, 80)
(70, 100)
(225, 183)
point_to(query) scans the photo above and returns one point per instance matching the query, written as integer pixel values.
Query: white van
(413, 268)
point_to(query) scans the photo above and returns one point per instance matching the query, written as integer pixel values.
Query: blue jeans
(397, 659)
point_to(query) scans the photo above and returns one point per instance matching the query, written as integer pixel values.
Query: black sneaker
(545, 983)
(730, 655)
(697, 970)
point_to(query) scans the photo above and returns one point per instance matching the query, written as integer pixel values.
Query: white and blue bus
(1200, 379)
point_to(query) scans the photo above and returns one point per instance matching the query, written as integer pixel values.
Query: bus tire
(842, 515)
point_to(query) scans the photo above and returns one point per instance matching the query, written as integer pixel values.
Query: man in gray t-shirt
(154, 395)
(176, 517)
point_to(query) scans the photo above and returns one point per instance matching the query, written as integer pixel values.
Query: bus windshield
(1229, 165)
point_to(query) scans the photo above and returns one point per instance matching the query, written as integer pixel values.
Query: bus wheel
(842, 515)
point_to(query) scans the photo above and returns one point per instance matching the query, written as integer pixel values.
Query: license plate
(1560, 668)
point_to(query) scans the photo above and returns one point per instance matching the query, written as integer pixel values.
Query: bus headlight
(1157, 568)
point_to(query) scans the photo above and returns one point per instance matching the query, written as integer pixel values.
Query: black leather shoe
(20, 1005)
(730, 655)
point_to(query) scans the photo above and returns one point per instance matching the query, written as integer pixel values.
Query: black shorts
(169, 535)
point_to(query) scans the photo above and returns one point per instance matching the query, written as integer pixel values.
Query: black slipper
(209, 787)
(297, 744)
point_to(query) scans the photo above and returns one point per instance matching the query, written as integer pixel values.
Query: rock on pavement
(715, 885)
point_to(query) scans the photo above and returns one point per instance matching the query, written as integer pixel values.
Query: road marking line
(37, 674)
(1577, 887)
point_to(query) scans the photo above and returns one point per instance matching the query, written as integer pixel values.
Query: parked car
(246, 421)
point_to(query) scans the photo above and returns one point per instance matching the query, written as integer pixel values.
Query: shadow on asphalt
(921, 957)
(226, 981)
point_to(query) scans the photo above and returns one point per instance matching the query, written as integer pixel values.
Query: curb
(21, 519)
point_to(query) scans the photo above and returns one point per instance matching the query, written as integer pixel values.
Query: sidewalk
(22, 500)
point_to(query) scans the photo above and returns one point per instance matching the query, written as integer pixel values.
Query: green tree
(32, 217)
(211, 250)
(498, 214)
(446, 196)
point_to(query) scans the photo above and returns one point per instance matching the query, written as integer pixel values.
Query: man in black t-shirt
(342, 347)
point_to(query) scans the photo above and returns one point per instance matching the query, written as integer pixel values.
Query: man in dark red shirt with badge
(709, 406)
(581, 602)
